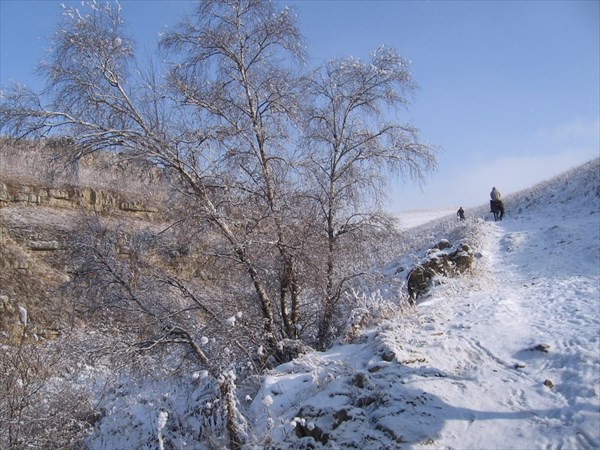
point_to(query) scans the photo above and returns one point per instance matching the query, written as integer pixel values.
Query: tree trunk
(227, 390)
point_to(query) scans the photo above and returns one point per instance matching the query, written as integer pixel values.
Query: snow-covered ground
(504, 357)
(507, 357)
(414, 218)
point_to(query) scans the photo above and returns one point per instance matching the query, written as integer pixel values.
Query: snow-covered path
(536, 322)
(506, 359)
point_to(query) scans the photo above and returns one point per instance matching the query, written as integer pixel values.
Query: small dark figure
(460, 213)
(496, 205)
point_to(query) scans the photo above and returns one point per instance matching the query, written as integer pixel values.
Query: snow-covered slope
(414, 218)
(506, 358)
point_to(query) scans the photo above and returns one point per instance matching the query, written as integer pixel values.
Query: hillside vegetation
(507, 357)
(100, 254)
(46, 200)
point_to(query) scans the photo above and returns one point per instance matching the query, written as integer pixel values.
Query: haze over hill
(416, 217)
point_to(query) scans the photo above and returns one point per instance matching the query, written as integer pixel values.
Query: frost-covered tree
(39, 409)
(225, 154)
(277, 177)
(278, 171)
(353, 150)
(237, 66)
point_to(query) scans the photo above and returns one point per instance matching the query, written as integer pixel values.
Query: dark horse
(497, 207)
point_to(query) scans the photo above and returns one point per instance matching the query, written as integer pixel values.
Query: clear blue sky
(510, 90)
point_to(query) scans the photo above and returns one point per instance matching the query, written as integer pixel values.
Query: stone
(360, 380)
(43, 245)
(545, 348)
(4, 194)
(58, 194)
(136, 207)
(443, 244)
(308, 427)
(21, 197)
(439, 262)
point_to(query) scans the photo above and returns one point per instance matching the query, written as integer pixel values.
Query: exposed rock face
(441, 260)
(28, 282)
(44, 197)
(38, 246)
(74, 197)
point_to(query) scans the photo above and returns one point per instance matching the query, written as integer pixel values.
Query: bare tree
(37, 408)
(226, 130)
(102, 100)
(121, 279)
(226, 154)
(234, 72)
(353, 151)
(280, 172)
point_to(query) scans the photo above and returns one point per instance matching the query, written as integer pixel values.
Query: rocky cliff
(45, 196)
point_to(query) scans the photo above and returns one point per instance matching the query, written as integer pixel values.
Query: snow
(23, 315)
(508, 357)
(230, 321)
(160, 424)
(416, 217)
(504, 357)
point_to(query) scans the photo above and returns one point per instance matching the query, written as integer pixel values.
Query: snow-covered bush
(40, 404)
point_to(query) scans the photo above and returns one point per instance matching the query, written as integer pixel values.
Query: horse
(497, 207)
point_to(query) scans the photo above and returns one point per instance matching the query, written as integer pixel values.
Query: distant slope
(572, 192)
(414, 218)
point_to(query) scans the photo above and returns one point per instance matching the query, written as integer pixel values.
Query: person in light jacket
(495, 194)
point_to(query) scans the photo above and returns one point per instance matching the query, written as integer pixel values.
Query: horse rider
(496, 201)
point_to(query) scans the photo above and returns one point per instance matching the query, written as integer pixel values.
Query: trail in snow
(533, 301)
(507, 357)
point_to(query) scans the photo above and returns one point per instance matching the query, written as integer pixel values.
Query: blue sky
(509, 90)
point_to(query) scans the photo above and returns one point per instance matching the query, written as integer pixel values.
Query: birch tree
(220, 127)
(354, 150)
(278, 164)
(236, 70)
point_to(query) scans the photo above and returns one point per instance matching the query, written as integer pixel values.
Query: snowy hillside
(506, 358)
(414, 218)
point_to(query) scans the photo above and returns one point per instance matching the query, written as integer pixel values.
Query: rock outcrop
(74, 197)
(44, 197)
(443, 260)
